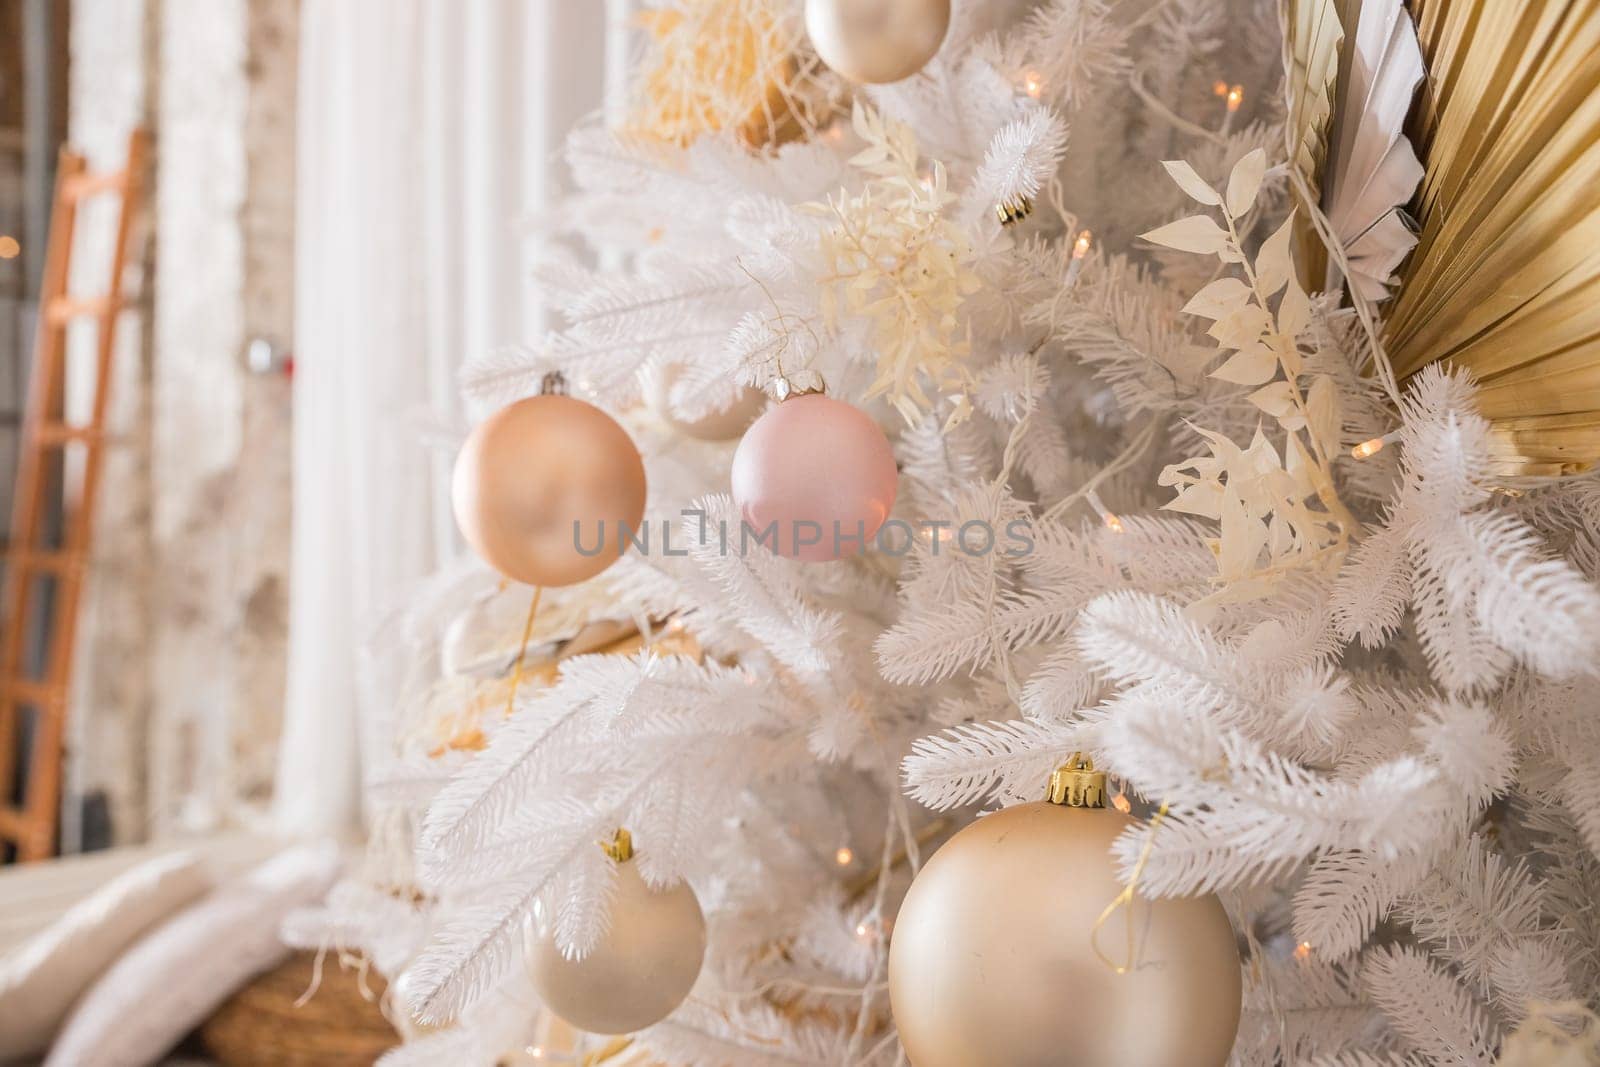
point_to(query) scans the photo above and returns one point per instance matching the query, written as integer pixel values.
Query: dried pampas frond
(715, 65)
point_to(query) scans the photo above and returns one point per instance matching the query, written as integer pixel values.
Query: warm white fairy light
(1302, 951)
(1033, 83)
(844, 857)
(1107, 516)
(1080, 251)
(1367, 449)
(1234, 99)
(1122, 803)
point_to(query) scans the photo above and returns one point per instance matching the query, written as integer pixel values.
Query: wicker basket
(259, 1026)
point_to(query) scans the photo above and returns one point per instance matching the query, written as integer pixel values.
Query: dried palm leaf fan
(1505, 279)
(1365, 56)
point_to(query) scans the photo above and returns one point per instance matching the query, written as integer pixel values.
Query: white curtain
(427, 139)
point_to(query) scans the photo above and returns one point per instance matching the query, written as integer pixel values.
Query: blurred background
(334, 213)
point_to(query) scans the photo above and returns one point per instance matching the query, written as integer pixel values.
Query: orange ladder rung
(12, 823)
(50, 562)
(83, 186)
(63, 309)
(60, 433)
(23, 691)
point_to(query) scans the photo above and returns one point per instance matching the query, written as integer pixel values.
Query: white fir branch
(579, 902)
(682, 818)
(1469, 746)
(1580, 792)
(470, 954)
(515, 845)
(1528, 972)
(466, 812)
(1346, 893)
(1541, 610)
(1475, 909)
(1075, 44)
(1134, 637)
(1435, 1015)
(1295, 1008)
(1374, 587)
(500, 376)
(987, 761)
(936, 644)
(1244, 813)
(765, 590)
(1061, 685)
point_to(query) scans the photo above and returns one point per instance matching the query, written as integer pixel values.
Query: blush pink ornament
(819, 473)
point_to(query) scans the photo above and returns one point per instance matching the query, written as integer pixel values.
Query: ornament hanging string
(1125, 898)
(522, 650)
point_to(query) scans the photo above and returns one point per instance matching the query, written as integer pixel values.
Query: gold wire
(1125, 898)
(522, 650)
(612, 1049)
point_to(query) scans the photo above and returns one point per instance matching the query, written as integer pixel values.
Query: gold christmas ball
(639, 973)
(542, 488)
(877, 41)
(990, 959)
(722, 425)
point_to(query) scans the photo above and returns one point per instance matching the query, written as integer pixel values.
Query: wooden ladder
(34, 558)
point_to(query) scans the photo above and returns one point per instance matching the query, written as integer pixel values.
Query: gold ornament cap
(620, 847)
(1076, 784)
(1013, 210)
(785, 389)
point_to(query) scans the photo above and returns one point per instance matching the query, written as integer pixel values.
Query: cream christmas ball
(877, 41)
(990, 959)
(640, 972)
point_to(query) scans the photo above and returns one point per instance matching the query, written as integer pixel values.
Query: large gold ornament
(992, 962)
(543, 488)
(642, 969)
(877, 41)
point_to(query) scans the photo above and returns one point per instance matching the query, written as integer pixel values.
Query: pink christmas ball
(814, 478)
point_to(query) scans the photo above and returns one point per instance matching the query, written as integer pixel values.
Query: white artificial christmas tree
(1364, 689)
